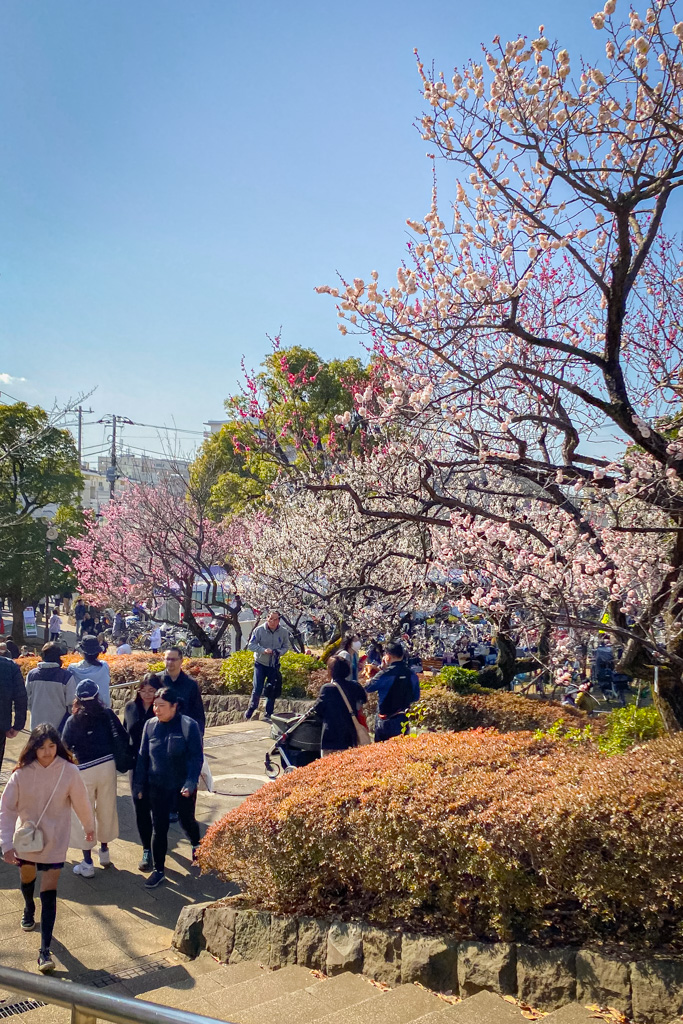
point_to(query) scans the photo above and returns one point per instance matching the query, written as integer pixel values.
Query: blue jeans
(264, 674)
(385, 728)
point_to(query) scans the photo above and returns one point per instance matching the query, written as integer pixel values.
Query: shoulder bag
(362, 734)
(123, 755)
(28, 837)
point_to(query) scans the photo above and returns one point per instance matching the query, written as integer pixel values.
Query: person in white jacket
(92, 668)
(44, 788)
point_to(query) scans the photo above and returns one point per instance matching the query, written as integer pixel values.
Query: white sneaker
(84, 869)
(105, 859)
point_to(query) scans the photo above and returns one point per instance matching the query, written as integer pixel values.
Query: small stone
(657, 990)
(252, 937)
(188, 937)
(602, 981)
(546, 978)
(487, 965)
(283, 938)
(382, 955)
(219, 930)
(430, 960)
(344, 948)
(311, 943)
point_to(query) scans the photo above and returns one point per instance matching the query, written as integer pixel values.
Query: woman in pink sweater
(45, 785)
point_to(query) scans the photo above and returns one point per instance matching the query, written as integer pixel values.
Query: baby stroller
(297, 742)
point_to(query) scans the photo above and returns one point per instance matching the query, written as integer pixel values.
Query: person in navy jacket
(397, 686)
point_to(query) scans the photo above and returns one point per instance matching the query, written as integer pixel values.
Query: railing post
(80, 1016)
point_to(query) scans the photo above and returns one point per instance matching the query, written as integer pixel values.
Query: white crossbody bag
(28, 837)
(362, 734)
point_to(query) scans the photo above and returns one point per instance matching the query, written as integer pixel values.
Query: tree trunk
(18, 605)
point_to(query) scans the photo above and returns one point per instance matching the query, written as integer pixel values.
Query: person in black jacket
(339, 732)
(397, 687)
(13, 700)
(135, 714)
(93, 733)
(184, 687)
(167, 770)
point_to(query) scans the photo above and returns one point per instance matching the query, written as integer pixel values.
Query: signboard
(30, 628)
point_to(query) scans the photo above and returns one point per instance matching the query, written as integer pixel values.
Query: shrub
(460, 680)
(125, 668)
(485, 835)
(237, 672)
(440, 710)
(628, 726)
(296, 672)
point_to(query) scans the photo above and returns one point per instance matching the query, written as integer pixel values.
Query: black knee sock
(47, 917)
(27, 889)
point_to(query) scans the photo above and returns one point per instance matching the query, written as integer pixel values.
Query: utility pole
(112, 420)
(80, 411)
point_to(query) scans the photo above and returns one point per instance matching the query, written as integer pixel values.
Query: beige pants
(100, 782)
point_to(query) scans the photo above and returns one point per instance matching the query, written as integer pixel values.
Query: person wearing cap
(92, 668)
(92, 733)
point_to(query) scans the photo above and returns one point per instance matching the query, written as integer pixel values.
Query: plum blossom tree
(532, 341)
(158, 544)
(314, 554)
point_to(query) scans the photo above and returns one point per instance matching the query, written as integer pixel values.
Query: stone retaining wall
(221, 709)
(646, 990)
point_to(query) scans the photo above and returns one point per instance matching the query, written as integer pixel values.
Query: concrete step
(572, 1013)
(484, 1008)
(180, 983)
(316, 1001)
(242, 996)
(396, 1006)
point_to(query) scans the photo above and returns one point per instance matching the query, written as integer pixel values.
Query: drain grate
(23, 1007)
(101, 979)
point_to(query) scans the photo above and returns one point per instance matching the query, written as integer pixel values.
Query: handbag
(28, 837)
(362, 734)
(123, 755)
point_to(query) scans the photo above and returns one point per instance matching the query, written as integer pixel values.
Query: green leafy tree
(39, 469)
(283, 420)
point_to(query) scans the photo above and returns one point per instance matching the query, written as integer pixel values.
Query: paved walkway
(111, 920)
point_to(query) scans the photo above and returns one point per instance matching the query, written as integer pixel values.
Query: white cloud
(7, 378)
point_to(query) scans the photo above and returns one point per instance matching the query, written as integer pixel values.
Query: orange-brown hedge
(482, 834)
(124, 668)
(441, 710)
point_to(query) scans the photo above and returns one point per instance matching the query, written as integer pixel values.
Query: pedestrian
(268, 642)
(12, 649)
(12, 700)
(119, 627)
(339, 730)
(50, 689)
(94, 735)
(184, 687)
(397, 687)
(66, 601)
(88, 625)
(80, 612)
(167, 772)
(45, 787)
(373, 657)
(124, 647)
(155, 640)
(55, 625)
(92, 668)
(135, 714)
(350, 651)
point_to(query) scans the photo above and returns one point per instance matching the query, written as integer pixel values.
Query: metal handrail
(87, 1004)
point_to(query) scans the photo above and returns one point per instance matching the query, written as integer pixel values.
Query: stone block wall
(648, 990)
(221, 709)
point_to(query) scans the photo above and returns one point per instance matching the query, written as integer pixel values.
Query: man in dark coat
(13, 700)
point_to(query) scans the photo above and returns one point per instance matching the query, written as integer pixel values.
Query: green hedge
(237, 673)
(442, 710)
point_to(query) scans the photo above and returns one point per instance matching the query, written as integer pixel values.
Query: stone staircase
(246, 993)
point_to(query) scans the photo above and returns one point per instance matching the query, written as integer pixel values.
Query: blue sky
(178, 175)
